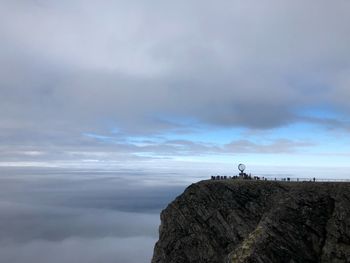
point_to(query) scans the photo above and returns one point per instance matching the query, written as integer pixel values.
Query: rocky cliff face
(256, 221)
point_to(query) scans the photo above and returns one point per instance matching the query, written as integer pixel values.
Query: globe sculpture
(241, 167)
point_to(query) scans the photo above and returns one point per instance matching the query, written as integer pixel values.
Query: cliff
(256, 221)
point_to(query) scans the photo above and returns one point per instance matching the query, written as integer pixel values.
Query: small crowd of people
(245, 176)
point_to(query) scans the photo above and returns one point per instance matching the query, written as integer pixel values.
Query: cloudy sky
(91, 82)
(109, 108)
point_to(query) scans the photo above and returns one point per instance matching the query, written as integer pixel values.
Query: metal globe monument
(241, 167)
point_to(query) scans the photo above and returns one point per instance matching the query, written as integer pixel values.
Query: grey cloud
(234, 64)
(278, 146)
(78, 67)
(186, 147)
(340, 124)
(244, 146)
(116, 149)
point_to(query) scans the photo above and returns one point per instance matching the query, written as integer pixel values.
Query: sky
(127, 83)
(110, 108)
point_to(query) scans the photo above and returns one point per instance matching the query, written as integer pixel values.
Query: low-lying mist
(57, 215)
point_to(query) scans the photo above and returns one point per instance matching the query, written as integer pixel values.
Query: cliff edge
(242, 221)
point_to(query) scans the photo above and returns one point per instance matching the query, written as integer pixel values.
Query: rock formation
(237, 221)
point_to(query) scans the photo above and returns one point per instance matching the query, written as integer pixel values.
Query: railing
(280, 179)
(290, 179)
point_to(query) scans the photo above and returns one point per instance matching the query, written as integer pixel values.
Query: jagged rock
(237, 221)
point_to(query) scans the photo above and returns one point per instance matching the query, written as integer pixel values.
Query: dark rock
(256, 222)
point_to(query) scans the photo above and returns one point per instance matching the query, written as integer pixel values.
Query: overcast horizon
(101, 99)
